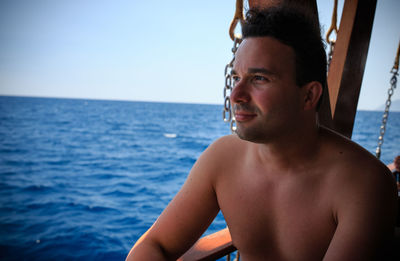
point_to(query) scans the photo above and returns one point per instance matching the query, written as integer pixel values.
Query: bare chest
(288, 219)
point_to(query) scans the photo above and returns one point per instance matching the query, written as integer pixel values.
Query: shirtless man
(288, 188)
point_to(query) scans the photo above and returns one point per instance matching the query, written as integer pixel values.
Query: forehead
(265, 52)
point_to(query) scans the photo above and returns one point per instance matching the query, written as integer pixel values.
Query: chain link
(227, 114)
(330, 54)
(393, 85)
(332, 29)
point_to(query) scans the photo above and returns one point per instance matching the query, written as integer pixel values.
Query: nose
(240, 93)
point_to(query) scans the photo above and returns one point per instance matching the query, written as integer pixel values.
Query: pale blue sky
(152, 50)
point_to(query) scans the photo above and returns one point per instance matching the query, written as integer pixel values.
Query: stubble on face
(256, 132)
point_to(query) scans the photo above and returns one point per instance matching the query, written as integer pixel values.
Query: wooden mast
(339, 105)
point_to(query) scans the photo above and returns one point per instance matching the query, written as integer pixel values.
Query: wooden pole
(339, 106)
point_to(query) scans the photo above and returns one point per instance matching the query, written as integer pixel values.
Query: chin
(252, 135)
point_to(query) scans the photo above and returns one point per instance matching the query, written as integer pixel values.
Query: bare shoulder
(351, 162)
(363, 195)
(224, 148)
(217, 159)
(354, 173)
(229, 142)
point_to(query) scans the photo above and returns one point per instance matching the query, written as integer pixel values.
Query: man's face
(266, 99)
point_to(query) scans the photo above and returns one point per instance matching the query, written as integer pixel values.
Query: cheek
(267, 100)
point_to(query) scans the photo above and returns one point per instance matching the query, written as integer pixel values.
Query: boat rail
(211, 247)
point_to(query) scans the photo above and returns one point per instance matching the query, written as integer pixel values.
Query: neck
(292, 149)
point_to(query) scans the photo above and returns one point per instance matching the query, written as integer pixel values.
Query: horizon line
(152, 101)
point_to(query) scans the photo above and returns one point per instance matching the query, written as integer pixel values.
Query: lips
(241, 116)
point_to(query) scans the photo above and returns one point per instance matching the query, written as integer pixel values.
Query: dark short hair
(297, 30)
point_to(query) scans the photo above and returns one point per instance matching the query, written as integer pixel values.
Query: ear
(312, 92)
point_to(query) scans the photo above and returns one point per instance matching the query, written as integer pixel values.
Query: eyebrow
(260, 70)
(257, 70)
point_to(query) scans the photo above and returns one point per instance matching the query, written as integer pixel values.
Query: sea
(83, 179)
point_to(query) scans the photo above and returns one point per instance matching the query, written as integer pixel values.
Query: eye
(235, 79)
(260, 79)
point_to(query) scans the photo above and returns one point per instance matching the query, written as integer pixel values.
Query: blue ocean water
(83, 179)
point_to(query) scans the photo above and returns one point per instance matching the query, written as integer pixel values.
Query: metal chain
(229, 87)
(393, 85)
(330, 54)
(332, 29)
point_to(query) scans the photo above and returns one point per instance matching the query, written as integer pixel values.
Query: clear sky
(152, 50)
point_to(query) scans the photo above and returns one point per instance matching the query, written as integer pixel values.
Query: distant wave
(170, 135)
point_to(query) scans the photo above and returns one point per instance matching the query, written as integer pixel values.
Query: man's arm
(186, 217)
(365, 211)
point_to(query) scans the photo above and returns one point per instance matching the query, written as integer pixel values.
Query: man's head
(296, 30)
(278, 75)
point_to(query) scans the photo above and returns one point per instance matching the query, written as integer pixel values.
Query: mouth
(242, 116)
